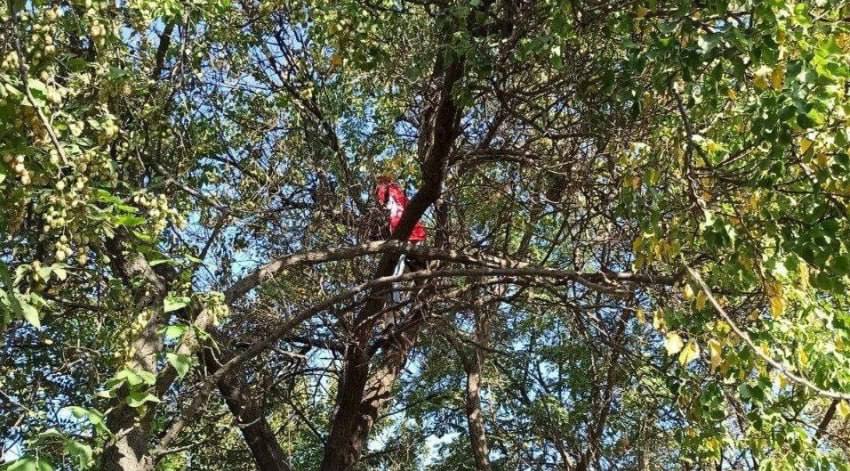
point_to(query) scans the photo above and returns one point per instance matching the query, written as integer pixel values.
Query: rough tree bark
(128, 450)
(248, 410)
(472, 364)
(472, 359)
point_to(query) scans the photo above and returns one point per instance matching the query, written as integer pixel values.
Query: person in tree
(392, 197)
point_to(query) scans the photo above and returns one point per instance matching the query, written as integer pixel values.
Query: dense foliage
(637, 252)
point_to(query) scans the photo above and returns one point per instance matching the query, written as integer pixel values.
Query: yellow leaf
(843, 409)
(714, 349)
(803, 269)
(760, 77)
(802, 358)
(647, 99)
(680, 154)
(673, 343)
(689, 353)
(842, 40)
(714, 445)
(641, 316)
(658, 320)
(777, 305)
(777, 77)
(688, 292)
(664, 249)
(637, 244)
(672, 249)
(641, 11)
(780, 379)
(701, 299)
(805, 145)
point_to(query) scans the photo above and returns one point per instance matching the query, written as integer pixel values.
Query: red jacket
(392, 197)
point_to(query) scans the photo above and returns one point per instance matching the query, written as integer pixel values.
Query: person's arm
(381, 194)
(398, 195)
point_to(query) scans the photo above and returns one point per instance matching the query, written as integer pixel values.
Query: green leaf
(11, 296)
(37, 86)
(38, 91)
(193, 259)
(28, 463)
(144, 237)
(139, 398)
(174, 332)
(180, 362)
(162, 261)
(30, 314)
(44, 272)
(94, 417)
(51, 433)
(128, 220)
(80, 452)
(78, 412)
(173, 303)
(130, 376)
(148, 377)
(841, 264)
(60, 272)
(106, 197)
(135, 377)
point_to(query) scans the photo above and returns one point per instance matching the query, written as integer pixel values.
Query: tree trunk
(604, 398)
(360, 397)
(827, 418)
(128, 451)
(258, 434)
(248, 410)
(268, 455)
(474, 419)
(473, 364)
(344, 445)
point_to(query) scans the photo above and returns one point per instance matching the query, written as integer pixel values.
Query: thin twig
(23, 70)
(746, 338)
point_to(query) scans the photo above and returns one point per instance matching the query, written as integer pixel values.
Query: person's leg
(399, 266)
(416, 263)
(399, 269)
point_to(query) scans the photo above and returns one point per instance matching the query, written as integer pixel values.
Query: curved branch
(746, 338)
(269, 270)
(258, 347)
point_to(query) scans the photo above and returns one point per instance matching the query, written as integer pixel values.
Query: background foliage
(637, 217)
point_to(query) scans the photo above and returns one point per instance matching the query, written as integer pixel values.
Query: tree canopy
(638, 250)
